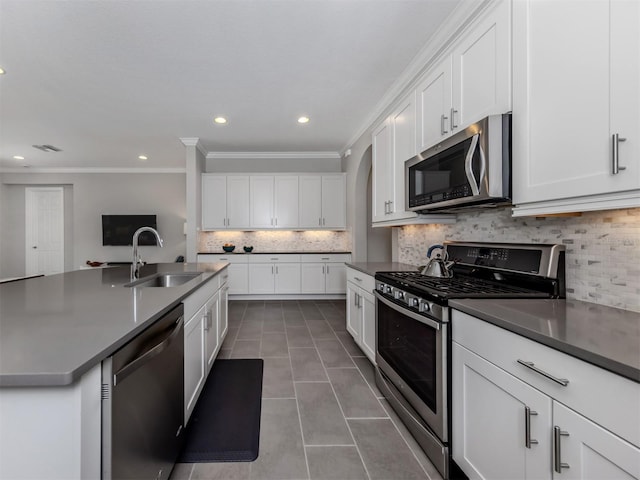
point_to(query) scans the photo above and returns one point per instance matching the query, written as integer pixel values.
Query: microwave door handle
(475, 188)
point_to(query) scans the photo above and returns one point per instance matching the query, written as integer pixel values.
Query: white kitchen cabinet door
(590, 451)
(354, 318)
(238, 278)
(211, 336)
(261, 278)
(238, 201)
(434, 105)
(310, 201)
(575, 86)
(335, 278)
(334, 202)
(482, 68)
(287, 278)
(223, 314)
(262, 202)
(489, 419)
(286, 201)
(312, 277)
(194, 353)
(403, 148)
(382, 172)
(368, 333)
(214, 202)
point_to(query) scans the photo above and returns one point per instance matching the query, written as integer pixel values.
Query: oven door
(411, 350)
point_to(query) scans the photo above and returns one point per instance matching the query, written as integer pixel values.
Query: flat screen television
(118, 230)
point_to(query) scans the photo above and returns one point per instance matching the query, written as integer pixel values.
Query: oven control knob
(381, 287)
(424, 307)
(389, 289)
(414, 302)
(399, 295)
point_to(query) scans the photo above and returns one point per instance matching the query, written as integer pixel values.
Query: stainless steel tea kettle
(437, 267)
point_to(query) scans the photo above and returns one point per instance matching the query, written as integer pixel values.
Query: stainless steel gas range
(413, 332)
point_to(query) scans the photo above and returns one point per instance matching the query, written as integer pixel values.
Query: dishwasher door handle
(146, 357)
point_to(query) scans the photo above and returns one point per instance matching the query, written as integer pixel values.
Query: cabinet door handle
(557, 453)
(320, 221)
(442, 119)
(271, 269)
(615, 143)
(323, 221)
(228, 222)
(530, 365)
(355, 299)
(453, 116)
(276, 269)
(324, 272)
(357, 278)
(276, 219)
(528, 441)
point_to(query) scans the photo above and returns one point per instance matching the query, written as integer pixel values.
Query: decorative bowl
(228, 248)
(247, 249)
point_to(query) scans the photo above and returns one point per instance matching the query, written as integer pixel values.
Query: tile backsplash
(602, 248)
(277, 241)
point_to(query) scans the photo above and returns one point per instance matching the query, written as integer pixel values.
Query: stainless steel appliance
(468, 169)
(142, 403)
(413, 329)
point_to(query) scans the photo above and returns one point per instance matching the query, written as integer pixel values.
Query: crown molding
(194, 142)
(445, 36)
(272, 155)
(91, 170)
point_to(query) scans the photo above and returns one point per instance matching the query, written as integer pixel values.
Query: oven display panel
(515, 259)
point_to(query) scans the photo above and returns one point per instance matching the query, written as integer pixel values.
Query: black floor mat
(225, 424)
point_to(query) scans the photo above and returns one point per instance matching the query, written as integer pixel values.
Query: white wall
(87, 197)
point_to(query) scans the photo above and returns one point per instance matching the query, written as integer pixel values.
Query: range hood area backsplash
(276, 241)
(603, 248)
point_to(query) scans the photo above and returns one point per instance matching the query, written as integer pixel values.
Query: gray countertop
(371, 268)
(274, 252)
(603, 336)
(55, 328)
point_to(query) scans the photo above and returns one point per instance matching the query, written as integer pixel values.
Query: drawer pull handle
(357, 278)
(557, 454)
(528, 441)
(530, 365)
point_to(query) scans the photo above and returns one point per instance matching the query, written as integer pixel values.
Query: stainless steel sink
(164, 280)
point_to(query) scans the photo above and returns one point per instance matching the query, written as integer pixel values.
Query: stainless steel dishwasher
(142, 402)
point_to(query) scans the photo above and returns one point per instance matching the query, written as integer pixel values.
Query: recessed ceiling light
(303, 119)
(220, 120)
(2, 72)
(18, 157)
(142, 157)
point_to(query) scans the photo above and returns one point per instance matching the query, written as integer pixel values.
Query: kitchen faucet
(137, 261)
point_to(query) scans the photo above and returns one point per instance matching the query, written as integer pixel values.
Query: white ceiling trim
(91, 170)
(272, 155)
(455, 22)
(194, 142)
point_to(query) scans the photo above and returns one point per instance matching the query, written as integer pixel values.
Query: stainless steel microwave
(469, 169)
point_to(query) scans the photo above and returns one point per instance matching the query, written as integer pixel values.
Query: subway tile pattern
(603, 248)
(322, 416)
(276, 241)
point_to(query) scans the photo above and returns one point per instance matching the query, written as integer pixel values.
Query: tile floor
(322, 415)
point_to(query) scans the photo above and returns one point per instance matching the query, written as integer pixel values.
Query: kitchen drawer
(231, 258)
(198, 298)
(325, 257)
(274, 258)
(606, 398)
(364, 281)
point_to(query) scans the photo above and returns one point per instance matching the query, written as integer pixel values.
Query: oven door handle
(427, 321)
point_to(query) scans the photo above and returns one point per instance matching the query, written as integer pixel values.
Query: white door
(44, 220)
(336, 278)
(354, 318)
(211, 330)
(310, 200)
(286, 201)
(590, 451)
(194, 374)
(262, 202)
(287, 278)
(214, 202)
(490, 421)
(333, 201)
(261, 278)
(368, 311)
(313, 277)
(434, 105)
(237, 201)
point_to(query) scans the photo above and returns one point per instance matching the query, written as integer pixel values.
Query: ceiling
(107, 80)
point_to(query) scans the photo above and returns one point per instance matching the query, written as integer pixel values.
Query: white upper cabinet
(382, 171)
(274, 201)
(470, 81)
(225, 201)
(322, 201)
(434, 105)
(482, 68)
(576, 95)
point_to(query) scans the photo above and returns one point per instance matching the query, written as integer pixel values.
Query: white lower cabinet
(361, 311)
(324, 273)
(510, 422)
(274, 274)
(238, 270)
(204, 331)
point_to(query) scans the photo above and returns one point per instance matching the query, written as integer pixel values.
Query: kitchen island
(55, 331)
